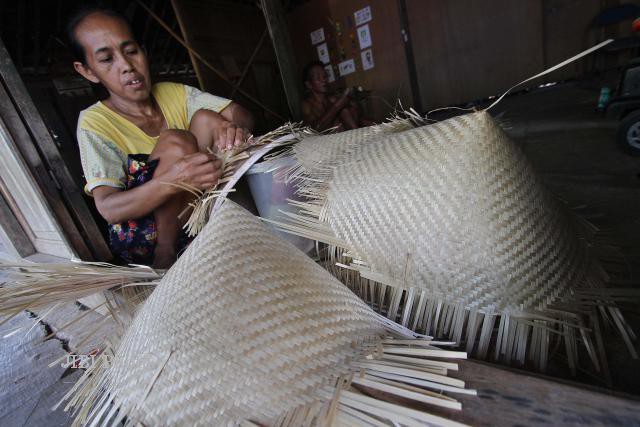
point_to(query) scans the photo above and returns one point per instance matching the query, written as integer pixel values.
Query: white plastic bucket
(270, 193)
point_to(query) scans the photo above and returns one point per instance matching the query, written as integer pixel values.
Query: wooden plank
(283, 47)
(26, 150)
(26, 200)
(510, 397)
(25, 356)
(71, 208)
(12, 231)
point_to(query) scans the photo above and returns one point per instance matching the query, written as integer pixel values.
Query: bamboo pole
(204, 61)
(250, 62)
(183, 30)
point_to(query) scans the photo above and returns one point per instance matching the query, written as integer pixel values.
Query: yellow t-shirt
(106, 139)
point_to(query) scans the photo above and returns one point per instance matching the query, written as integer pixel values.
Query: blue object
(605, 96)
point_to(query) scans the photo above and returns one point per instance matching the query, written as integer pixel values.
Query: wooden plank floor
(510, 398)
(30, 387)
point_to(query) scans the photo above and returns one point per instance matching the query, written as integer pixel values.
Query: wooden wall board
(388, 81)
(567, 30)
(464, 53)
(22, 191)
(464, 50)
(42, 156)
(13, 238)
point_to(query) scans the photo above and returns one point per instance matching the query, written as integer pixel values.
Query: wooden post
(408, 50)
(279, 32)
(13, 231)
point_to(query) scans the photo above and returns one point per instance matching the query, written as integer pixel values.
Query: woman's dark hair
(76, 48)
(306, 71)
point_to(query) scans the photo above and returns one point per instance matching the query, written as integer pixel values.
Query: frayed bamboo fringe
(246, 330)
(523, 332)
(232, 161)
(31, 285)
(414, 370)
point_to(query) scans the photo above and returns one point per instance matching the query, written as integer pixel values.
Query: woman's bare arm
(115, 205)
(237, 114)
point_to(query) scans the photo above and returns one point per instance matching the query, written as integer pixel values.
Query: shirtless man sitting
(322, 111)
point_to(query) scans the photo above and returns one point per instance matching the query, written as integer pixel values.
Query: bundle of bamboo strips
(29, 285)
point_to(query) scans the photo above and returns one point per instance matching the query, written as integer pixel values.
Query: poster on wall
(331, 77)
(317, 36)
(367, 59)
(347, 67)
(363, 15)
(323, 53)
(364, 36)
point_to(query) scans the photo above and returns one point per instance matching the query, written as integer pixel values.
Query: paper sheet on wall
(364, 36)
(347, 67)
(362, 15)
(367, 59)
(317, 36)
(323, 53)
(331, 77)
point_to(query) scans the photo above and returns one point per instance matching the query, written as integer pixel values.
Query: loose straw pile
(246, 330)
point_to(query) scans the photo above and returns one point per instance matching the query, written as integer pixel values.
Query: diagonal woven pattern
(320, 152)
(447, 229)
(245, 327)
(228, 358)
(456, 208)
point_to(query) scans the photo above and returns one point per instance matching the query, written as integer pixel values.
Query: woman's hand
(198, 170)
(227, 135)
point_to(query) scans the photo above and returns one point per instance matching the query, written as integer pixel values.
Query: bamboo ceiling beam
(250, 62)
(183, 30)
(193, 52)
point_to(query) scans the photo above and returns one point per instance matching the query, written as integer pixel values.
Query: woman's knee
(176, 143)
(204, 118)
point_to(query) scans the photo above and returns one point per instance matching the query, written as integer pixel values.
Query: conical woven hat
(320, 150)
(456, 208)
(244, 327)
(453, 225)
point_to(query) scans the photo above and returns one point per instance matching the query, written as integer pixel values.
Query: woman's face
(113, 57)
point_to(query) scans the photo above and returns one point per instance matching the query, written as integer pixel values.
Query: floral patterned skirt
(134, 241)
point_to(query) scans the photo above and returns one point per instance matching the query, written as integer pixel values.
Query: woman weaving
(143, 138)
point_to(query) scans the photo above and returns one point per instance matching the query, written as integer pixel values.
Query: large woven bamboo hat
(246, 328)
(447, 227)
